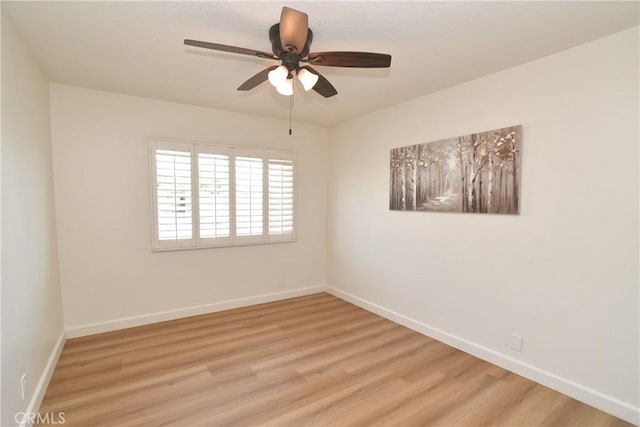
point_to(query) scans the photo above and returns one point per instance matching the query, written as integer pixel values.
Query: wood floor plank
(313, 360)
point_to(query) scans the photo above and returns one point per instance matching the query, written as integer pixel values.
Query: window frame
(196, 242)
(177, 244)
(262, 238)
(212, 242)
(281, 156)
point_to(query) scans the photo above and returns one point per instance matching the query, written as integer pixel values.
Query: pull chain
(290, 108)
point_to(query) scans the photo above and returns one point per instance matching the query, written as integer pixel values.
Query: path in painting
(448, 202)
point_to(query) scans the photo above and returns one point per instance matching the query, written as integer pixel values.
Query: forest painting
(477, 173)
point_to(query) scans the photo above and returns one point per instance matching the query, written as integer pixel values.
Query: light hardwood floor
(313, 360)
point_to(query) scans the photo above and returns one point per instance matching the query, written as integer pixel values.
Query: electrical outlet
(23, 385)
(516, 342)
(281, 282)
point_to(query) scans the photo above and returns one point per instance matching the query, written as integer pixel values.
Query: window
(280, 196)
(208, 196)
(174, 212)
(249, 173)
(214, 195)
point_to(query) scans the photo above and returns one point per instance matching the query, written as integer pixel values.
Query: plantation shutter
(173, 195)
(205, 195)
(214, 192)
(249, 196)
(281, 197)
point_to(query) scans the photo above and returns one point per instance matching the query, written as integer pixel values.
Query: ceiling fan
(290, 42)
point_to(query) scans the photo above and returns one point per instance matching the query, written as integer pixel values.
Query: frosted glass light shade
(278, 75)
(286, 87)
(307, 78)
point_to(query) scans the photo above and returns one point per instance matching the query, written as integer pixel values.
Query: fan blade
(293, 30)
(350, 59)
(232, 49)
(254, 81)
(323, 87)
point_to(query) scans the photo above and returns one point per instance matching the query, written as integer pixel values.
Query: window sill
(229, 245)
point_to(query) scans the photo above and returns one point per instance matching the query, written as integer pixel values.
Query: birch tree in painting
(473, 173)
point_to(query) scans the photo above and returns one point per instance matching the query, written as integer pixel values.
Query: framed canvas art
(476, 173)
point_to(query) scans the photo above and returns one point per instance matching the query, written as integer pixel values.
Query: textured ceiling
(136, 47)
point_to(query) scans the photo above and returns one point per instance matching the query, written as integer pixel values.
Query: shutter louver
(249, 197)
(280, 197)
(173, 194)
(213, 184)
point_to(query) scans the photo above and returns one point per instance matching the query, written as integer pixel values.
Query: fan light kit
(290, 42)
(282, 80)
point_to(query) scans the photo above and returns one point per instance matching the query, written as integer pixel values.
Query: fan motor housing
(280, 51)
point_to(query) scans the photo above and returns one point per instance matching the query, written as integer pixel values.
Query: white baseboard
(146, 319)
(43, 382)
(577, 391)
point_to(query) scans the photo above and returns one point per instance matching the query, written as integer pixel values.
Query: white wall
(563, 274)
(31, 298)
(101, 171)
